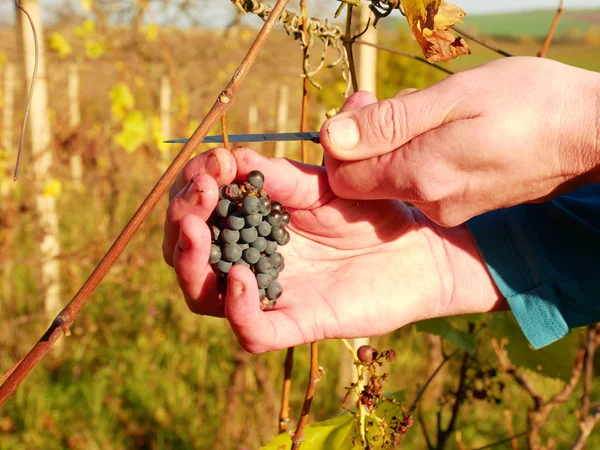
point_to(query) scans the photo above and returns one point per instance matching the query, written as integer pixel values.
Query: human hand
(353, 268)
(511, 131)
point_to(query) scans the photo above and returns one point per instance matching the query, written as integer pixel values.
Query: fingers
(198, 198)
(296, 185)
(257, 331)
(358, 100)
(196, 279)
(384, 126)
(218, 163)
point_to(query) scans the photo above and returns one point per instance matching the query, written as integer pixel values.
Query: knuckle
(388, 120)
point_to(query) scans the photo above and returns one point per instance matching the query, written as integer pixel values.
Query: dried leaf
(431, 21)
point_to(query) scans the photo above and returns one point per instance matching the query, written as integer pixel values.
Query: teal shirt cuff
(545, 260)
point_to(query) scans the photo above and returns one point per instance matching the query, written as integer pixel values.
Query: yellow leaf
(59, 44)
(122, 100)
(430, 22)
(86, 5)
(95, 49)
(134, 132)
(86, 29)
(151, 32)
(158, 135)
(53, 188)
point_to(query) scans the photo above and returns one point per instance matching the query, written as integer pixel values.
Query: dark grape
(274, 218)
(264, 265)
(263, 280)
(271, 247)
(366, 353)
(256, 179)
(215, 254)
(254, 220)
(241, 262)
(265, 206)
(224, 208)
(259, 244)
(246, 229)
(251, 255)
(232, 252)
(285, 238)
(274, 290)
(264, 229)
(251, 205)
(224, 266)
(277, 233)
(277, 260)
(230, 236)
(236, 221)
(249, 235)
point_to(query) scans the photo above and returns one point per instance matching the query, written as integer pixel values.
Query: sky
(470, 6)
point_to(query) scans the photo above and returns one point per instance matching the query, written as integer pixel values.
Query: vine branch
(31, 88)
(66, 317)
(403, 53)
(315, 375)
(287, 386)
(481, 42)
(553, 26)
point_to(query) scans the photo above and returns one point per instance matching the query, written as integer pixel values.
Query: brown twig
(348, 41)
(31, 88)
(588, 421)
(481, 42)
(444, 434)
(511, 430)
(224, 131)
(314, 377)
(402, 53)
(305, 81)
(415, 402)
(287, 387)
(66, 317)
(538, 415)
(548, 40)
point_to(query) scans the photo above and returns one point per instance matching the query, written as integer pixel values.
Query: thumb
(382, 127)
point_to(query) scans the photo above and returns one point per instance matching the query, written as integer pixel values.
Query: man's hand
(353, 268)
(511, 131)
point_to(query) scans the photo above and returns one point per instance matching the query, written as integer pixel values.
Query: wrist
(469, 286)
(583, 131)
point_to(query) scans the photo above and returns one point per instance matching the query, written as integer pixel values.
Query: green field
(534, 24)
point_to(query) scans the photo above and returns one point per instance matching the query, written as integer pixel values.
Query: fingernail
(211, 166)
(185, 243)
(343, 133)
(236, 288)
(192, 194)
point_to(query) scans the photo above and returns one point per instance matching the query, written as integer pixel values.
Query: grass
(141, 371)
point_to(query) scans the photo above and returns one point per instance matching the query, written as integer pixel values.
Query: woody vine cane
(66, 317)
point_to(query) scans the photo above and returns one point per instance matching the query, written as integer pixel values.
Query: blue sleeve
(545, 259)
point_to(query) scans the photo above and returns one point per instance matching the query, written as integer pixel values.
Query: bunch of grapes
(247, 228)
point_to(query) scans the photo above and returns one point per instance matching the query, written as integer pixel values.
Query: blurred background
(141, 371)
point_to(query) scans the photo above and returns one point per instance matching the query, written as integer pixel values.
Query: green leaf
(59, 44)
(443, 328)
(332, 434)
(399, 396)
(134, 132)
(553, 361)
